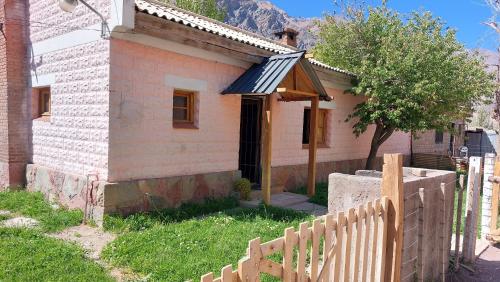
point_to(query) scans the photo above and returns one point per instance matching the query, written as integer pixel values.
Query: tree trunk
(381, 135)
(372, 157)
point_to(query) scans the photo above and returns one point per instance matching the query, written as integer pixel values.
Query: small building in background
(435, 149)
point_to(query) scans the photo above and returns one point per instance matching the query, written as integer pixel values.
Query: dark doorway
(250, 135)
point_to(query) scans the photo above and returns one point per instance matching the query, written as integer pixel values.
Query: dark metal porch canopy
(264, 78)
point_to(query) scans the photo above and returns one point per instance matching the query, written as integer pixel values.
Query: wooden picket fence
(348, 247)
(363, 244)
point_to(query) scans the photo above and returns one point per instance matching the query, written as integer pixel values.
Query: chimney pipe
(288, 36)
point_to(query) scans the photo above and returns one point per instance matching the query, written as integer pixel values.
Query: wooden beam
(313, 146)
(294, 99)
(392, 188)
(266, 150)
(296, 92)
(309, 56)
(168, 30)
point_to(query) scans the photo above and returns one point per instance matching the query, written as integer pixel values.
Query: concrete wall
(14, 96)
(428, 216)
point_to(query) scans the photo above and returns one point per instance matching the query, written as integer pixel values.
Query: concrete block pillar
(489, 165)
(15, 112)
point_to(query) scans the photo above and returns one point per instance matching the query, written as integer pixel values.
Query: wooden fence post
(459, 221)
(472, 209)
(392, 188)
(494, 200)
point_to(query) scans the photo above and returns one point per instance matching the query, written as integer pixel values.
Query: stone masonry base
(128, 196)
(294, 176)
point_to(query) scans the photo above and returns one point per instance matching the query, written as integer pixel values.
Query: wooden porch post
(267, 150)
(313, 144)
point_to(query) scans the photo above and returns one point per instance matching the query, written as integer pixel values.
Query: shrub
(244, 186)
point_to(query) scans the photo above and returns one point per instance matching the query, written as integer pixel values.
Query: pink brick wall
(341, 143)
(14, 95)
(143, 143)
(75, 138)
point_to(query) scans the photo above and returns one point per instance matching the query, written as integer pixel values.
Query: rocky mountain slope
(265, 18)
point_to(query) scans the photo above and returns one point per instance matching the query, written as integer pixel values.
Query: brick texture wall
(14, 99)
(48, 20)
(75, 138)
(143, 142)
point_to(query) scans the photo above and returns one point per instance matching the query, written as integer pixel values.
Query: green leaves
(411, 68)
(208, 8)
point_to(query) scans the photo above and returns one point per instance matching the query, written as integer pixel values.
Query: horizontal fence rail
(348, 247)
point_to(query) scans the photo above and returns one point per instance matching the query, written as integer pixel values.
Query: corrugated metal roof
(172, 13)
(265, 77)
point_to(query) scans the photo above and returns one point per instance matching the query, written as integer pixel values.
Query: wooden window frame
(44, 95)
(190, 121)
(321, 142)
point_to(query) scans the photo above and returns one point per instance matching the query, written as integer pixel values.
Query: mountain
(265, 18)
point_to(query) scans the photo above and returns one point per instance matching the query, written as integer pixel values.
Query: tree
(207, 8)
(414, 73)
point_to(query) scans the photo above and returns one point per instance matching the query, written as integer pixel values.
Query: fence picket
(330, 225)
(343, 257)
(302, 257)
(351, 217)
(227, 274)
(368, 215)
(290, 239)
(359, 226)
(385, 213)
(209, 277)
(316, 238)
(338, 245)
(374, 261)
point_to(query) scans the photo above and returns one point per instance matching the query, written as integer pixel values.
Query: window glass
(322, 125)
(183, 107)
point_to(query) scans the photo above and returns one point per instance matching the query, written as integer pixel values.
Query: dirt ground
(487, 267)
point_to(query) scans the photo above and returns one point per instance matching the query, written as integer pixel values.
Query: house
(155, 106)
(436, 149)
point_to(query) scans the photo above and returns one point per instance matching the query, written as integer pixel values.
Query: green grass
(321, 196)
(186, 249)
(35, 206)
(462, 224)
(142, 221)
(28, 255)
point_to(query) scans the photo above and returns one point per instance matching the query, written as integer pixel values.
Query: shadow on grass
(226, 206)
(321, 196)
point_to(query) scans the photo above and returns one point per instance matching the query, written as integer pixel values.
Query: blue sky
(464, 15)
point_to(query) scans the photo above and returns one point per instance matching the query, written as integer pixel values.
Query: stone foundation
(170, 192)
(128, 196)
(294, 176)
(67, 189)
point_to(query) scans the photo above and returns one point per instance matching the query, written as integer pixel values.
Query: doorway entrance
(250, 139)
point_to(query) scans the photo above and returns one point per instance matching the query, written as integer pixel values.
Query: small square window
(183, 108)
(41, 102)
(322, 125)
